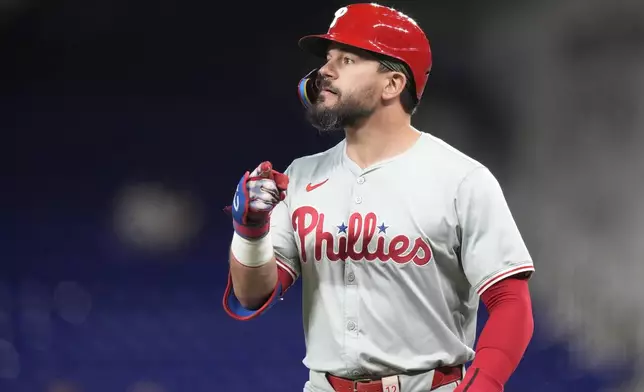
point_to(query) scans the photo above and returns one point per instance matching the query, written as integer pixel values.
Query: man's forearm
(504, 338)
(253, 270)
(253, 285)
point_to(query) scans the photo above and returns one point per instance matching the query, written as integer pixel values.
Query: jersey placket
(351, 293)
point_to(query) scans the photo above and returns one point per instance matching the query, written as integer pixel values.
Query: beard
(346, 112)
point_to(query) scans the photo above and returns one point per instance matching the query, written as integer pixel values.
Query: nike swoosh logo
(310, 187)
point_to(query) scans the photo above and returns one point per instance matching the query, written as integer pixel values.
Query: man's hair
(408, 98)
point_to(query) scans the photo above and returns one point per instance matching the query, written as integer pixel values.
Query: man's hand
(256, 195)
(477, 380)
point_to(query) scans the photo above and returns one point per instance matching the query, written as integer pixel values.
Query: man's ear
(395, 85)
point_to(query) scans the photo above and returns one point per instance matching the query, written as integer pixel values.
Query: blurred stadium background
(127, 125)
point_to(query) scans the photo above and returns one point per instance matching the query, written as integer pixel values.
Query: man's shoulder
(447, 159)
(315, 162)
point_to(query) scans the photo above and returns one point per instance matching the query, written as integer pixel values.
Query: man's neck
(379, 138)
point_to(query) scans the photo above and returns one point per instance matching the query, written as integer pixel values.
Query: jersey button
(358, 200)
(351, 277)
(360, 180)
(351, 326)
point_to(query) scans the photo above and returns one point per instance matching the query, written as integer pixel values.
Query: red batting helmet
(378, 29)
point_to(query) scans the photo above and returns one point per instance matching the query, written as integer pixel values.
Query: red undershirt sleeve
(504, 337)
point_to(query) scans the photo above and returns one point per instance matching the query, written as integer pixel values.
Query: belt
(442, 376)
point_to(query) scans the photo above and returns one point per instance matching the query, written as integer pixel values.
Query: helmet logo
(339, 13)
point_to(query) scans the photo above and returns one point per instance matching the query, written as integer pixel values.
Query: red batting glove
(256, 195)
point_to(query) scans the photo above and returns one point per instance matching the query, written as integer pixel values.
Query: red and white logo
(354, 239)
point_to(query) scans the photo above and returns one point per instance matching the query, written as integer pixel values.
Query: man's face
(350, 90)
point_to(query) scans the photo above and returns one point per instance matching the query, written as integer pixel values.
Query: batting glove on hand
(256, 195)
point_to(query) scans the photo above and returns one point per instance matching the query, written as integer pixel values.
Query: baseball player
(395, 234)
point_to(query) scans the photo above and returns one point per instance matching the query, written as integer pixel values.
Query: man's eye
(348, 60)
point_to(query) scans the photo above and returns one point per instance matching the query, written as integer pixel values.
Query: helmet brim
(318, 45)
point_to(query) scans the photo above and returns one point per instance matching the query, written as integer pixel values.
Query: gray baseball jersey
(393, 258)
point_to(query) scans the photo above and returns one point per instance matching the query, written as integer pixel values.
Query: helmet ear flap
(308, 88)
